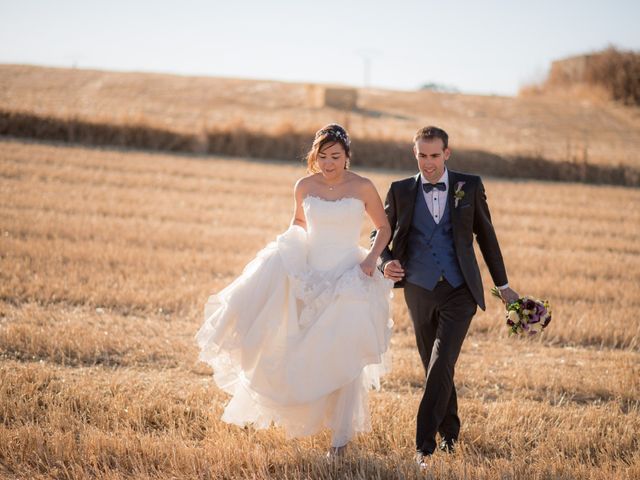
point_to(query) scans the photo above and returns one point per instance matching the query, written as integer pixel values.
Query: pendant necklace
(331, 187)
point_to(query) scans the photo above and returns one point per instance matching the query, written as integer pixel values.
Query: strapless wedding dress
(301, 334)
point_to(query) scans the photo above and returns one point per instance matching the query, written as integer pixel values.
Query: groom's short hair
(431, 133)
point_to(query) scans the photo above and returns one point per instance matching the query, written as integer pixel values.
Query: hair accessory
(337, 132)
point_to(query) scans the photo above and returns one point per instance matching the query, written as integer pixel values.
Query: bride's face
(332, 160)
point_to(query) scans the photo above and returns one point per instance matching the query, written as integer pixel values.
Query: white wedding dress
(299, 337)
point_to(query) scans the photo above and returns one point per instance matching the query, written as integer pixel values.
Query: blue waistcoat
(431, 252)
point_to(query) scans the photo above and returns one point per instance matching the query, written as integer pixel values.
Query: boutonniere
(458, 193)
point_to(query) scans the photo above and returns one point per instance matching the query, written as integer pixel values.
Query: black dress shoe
(448, 445)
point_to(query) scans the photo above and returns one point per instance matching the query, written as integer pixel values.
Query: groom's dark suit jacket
(470, 217)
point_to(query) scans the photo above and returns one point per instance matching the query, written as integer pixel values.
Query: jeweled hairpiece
(336, 133)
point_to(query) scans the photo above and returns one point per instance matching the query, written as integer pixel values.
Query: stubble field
(107, 257)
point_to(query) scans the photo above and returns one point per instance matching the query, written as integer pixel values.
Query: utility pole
(367, 60)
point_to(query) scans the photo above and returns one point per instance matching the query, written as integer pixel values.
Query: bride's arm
(376, 213)
(298, 212)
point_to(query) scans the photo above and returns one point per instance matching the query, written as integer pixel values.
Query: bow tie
(430, 186)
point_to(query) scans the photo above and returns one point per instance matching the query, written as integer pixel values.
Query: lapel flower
(458, 193)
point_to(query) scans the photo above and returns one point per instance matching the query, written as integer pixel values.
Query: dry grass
(289, 144)
(106, 258)
(530, 127)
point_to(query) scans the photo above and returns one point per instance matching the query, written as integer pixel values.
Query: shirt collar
(444, 178)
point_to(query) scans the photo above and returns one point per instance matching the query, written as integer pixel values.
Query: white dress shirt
(436, 199)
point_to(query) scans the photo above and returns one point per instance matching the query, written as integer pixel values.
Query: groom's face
(431, 156)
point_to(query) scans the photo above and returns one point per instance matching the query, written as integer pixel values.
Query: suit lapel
(405, 208)
(411, 196)
(453, 212)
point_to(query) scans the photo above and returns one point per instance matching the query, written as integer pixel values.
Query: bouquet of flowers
(527, 315)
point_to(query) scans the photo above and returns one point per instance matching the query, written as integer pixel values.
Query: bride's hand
(368, 265)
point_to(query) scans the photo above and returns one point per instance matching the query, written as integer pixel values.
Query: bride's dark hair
(329, 134)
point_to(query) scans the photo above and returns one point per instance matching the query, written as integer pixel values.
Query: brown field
(106, 259)
(557, 129)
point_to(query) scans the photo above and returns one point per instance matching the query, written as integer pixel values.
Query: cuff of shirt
(503, 287)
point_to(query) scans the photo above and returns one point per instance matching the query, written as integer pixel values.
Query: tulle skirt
(299, 347)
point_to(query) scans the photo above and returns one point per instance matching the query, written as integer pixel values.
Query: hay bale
(335, 97)
(570, 70)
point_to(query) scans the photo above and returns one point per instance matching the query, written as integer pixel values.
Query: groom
(434, 217)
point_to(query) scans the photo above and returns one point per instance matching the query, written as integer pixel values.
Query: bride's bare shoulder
(354, 178)
(303, 184)
(360, 182)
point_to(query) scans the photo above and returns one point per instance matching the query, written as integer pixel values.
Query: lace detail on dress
(316, 289)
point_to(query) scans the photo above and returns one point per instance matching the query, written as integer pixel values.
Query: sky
(483, 47)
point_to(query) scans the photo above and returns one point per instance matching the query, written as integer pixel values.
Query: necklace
(331, 187)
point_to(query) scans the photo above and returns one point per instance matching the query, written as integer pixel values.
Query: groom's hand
(508, 295)
(393, 271)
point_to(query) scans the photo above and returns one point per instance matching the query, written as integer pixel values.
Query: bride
(299, 336)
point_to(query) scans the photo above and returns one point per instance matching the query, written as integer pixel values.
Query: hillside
(548, 128)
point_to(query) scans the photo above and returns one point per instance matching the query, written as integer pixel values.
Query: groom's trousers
(441, 318)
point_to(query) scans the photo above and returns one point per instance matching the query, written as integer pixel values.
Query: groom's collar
(444, 178)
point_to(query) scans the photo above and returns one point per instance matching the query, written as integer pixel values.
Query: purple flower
(536, 318)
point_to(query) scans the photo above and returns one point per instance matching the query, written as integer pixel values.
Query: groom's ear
(447, 153)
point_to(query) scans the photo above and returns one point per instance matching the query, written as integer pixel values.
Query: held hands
(393, 271)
